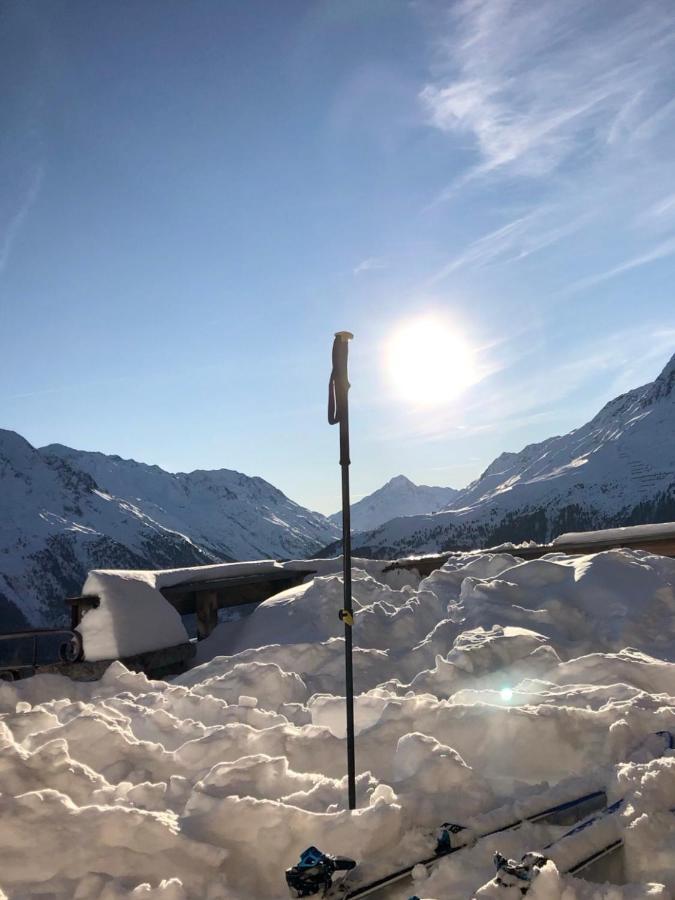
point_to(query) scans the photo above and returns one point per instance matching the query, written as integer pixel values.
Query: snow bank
(606, 535)
(133, 616)
(489, 688)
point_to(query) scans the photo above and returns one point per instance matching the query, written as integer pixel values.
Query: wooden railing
(662, 546)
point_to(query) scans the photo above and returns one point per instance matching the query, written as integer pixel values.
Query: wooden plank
(206, 604)
(233, 581)
(79, 606)
(238, 591)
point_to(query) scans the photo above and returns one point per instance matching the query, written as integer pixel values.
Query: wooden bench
(205, 598)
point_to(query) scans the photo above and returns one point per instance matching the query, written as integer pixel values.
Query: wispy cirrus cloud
(573, 98)
(662, 208)
(574, 388)
(662, 250)
(370, 264)
(534, 84)
(16, 220)
(518, 239)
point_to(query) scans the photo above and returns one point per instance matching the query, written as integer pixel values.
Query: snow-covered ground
(492, 682)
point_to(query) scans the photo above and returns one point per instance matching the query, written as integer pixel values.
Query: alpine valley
(66, 511)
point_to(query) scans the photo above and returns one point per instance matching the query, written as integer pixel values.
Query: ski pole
(338, 411)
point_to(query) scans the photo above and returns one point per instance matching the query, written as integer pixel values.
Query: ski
(313, 874)
(571, 853)
(576, 851)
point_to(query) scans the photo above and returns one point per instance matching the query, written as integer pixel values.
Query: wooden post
(206, 605)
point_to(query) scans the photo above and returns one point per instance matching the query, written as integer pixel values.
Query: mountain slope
(64, 512)
(398, 497)
(618, 469)
(231, 515)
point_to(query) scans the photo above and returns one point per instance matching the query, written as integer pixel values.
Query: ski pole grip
(338, 384)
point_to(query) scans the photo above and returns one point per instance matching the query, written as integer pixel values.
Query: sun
(428, 361)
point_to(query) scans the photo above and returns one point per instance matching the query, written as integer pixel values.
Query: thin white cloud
(663, 207)
(576, 95)
(15, 223)
(508, 403)
(518, 239)
(370, 264)
(535, 83)
(662, 250)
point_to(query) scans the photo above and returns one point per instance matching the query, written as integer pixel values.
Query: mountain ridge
(67, 511)
(397, 497)
(617, 469)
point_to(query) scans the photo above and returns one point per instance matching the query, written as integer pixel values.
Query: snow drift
(489, 684)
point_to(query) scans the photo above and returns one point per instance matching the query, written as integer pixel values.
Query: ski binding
(314, 872)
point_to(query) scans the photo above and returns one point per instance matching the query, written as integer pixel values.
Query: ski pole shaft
(349, 618)
(338, 411)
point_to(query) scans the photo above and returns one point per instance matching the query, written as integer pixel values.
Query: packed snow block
(662, 530)
(132, 617)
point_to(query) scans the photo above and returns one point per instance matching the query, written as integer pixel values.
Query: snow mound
(132, 617)
(492, 684)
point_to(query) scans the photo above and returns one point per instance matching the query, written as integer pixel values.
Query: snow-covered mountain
(618, 469)
(398, 497)
(65, 511)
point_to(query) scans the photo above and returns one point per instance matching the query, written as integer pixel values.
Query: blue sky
(197, 195)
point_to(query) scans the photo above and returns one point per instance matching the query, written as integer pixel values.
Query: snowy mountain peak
(664, 386)
(14, 448)
(399, 481)
(398, 497)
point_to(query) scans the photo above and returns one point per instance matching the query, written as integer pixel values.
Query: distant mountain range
(618, 469)
(65, 511)
(398, 497)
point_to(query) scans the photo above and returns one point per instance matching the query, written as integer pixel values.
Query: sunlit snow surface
(209, 786)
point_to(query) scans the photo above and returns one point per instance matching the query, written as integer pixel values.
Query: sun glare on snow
(429, 362)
